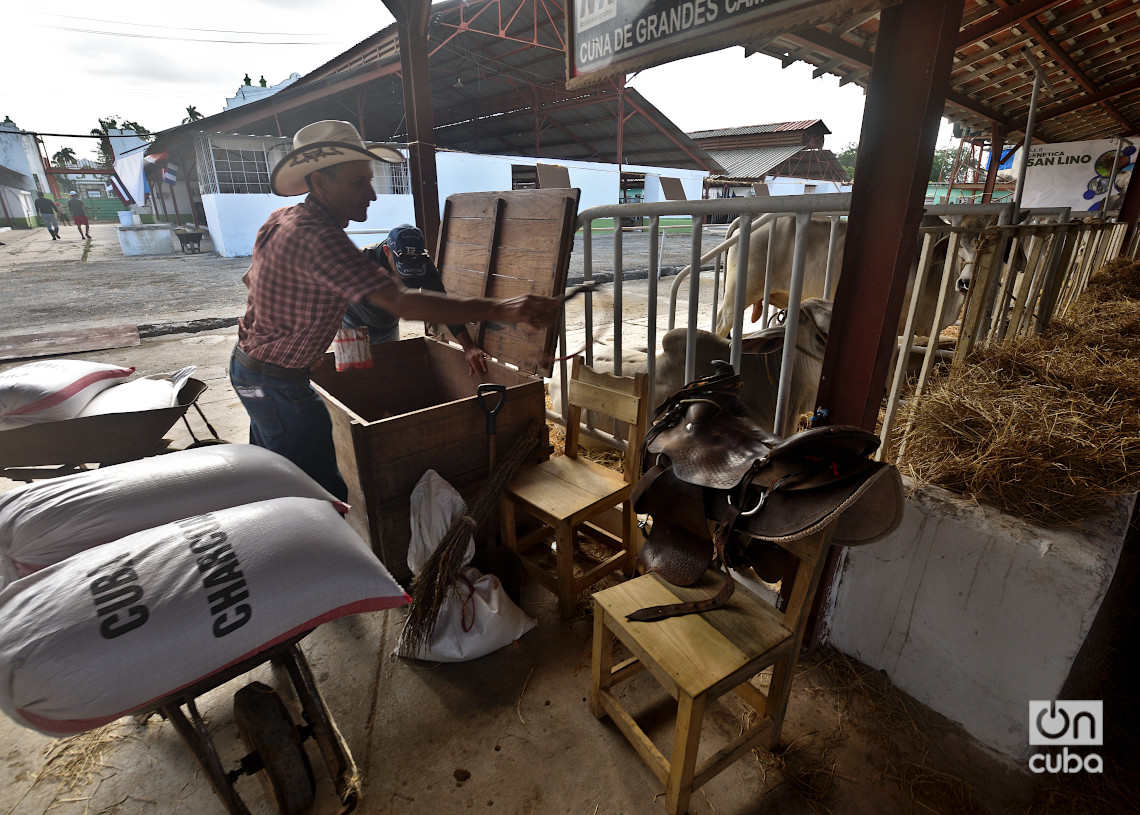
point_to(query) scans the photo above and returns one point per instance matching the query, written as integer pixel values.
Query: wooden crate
(416, 408)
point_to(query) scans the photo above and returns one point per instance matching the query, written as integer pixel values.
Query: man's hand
(476, 357)
(531, 309)
(476, 360)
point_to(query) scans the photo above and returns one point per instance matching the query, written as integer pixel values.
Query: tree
(64, 157)
(105, 153)
(192, 115)
(846, 158)
(944, 164)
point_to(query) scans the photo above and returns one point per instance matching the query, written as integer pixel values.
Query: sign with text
(1079, 174)
(605, 38)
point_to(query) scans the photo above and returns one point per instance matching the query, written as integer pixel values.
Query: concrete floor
(511, 732)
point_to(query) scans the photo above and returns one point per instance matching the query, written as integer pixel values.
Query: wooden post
(411, 20)
(905, 97)
(1129, 210)
(997, 145)
(174, 200)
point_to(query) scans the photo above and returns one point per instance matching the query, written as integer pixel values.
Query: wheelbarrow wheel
(267, 729)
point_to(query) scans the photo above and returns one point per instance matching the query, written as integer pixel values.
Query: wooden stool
(698, 658)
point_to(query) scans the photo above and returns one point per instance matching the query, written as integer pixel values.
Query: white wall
(234, 219)
(692, 182)
(18, 203)
(973, 612)
(796, 186)
(19, 154)
(469, 172)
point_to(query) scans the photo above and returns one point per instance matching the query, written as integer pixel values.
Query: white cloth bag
(49, 521)
(153, 392)
(112, 629)
(478, 617)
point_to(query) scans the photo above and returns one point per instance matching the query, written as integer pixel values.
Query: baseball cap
(73, 192)
(408, 250)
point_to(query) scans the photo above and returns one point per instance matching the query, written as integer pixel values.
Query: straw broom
(437, 578)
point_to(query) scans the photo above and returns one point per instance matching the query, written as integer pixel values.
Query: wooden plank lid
(505, 244)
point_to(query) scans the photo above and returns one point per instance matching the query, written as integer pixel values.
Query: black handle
(492, 412)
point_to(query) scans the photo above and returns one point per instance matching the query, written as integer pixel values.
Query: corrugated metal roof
(1088, 50)
(497, 80)
(755, 162)
(497, 84)
(749, 130)
(11, 178)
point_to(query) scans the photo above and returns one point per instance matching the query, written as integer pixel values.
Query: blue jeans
(51, 221)
(288, 417)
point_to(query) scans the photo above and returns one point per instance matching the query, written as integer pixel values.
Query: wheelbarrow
(276, 744)
(111, 438)
(190, 240)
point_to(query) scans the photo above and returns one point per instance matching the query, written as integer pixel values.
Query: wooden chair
(571, 495)
(698, 658)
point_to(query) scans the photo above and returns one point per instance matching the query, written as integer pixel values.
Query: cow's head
(811, 333)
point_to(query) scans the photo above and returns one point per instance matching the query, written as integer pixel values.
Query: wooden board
(506, 244)
(50, 343)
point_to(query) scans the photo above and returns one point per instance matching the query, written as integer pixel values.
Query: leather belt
(269, 369)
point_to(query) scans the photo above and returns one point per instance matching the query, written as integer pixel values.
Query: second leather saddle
(718, 487)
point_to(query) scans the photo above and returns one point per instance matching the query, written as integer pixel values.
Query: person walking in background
(49, 212)
(79, 214)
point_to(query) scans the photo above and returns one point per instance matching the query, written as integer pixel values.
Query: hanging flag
(170, 172)
(154, 158)
(120, 189)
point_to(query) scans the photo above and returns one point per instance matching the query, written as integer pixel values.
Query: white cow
(780, 232)
(759, 367)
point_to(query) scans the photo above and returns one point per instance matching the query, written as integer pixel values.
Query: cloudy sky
(147, 61)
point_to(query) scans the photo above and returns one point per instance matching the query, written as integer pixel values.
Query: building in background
(786, 158)
(21, 176)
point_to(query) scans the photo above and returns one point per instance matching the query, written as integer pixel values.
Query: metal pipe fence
(1020, 276)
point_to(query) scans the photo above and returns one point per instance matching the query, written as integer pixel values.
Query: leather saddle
(720, 488)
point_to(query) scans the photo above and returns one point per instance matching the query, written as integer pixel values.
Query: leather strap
(653, 613)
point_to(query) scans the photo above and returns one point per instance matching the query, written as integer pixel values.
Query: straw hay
(909, 736)
(1047, 427)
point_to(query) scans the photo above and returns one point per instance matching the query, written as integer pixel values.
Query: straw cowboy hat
(321, 145)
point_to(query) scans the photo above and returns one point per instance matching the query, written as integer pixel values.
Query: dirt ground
(512, 732)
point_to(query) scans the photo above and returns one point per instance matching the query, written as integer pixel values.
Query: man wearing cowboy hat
(304, 273)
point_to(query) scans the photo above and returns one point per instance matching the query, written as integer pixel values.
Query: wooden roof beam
(1078, 104)
(287, 99)
(684, 148)
(1005, 17)
(1066, 62)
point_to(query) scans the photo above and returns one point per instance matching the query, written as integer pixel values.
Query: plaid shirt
(305, 271)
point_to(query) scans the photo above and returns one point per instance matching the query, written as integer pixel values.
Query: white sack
(53, 390)
(478, 617)
(153, 392)
(434, 503)
(47, 521)
(109, 631)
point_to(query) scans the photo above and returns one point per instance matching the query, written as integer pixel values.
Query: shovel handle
(491, 410)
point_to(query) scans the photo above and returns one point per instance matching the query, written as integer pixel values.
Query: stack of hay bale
(1047, 427)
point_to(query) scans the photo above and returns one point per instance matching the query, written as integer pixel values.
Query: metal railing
(1022, 274)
